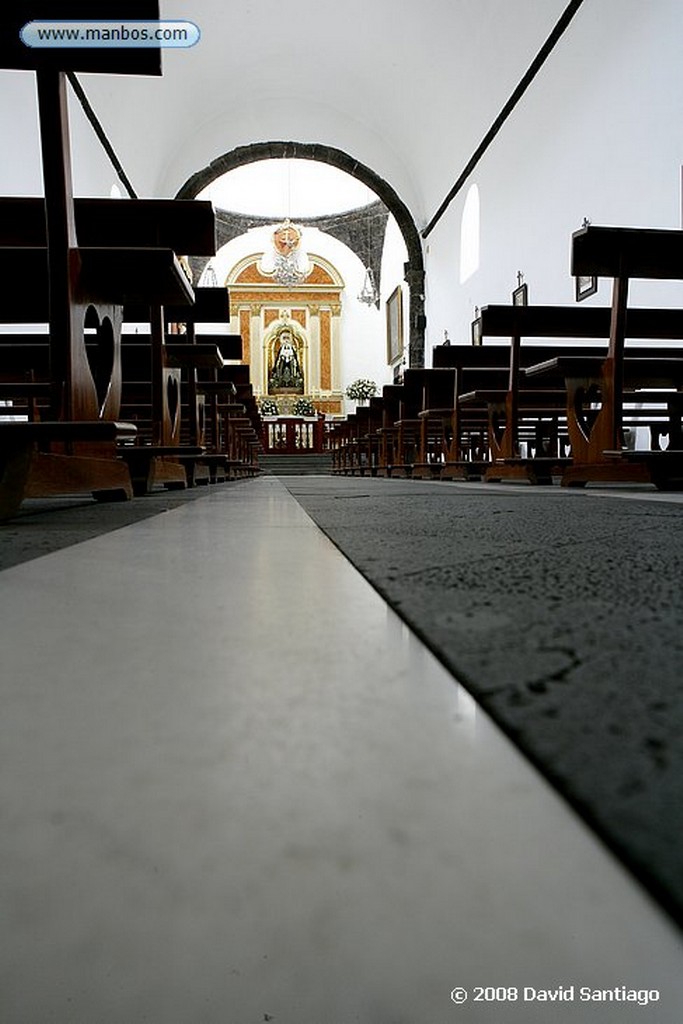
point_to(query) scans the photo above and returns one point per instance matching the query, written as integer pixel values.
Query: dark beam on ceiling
(535, 66)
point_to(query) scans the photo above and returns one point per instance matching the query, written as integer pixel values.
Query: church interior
(341, 482)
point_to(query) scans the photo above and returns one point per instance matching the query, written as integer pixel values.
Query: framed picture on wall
(395, 326)
(585, 286)
(520, 296)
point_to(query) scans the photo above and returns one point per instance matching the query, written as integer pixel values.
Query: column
(335, 344)
(325, 321)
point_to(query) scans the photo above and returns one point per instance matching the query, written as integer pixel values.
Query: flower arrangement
(303, 407)
(361, 389)
(269, 407)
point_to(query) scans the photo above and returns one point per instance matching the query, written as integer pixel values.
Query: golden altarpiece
(291, 332)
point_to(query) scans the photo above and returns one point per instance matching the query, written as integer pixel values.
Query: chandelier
(209, 278)
(368, 293)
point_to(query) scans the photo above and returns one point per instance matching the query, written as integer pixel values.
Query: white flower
(361, 389)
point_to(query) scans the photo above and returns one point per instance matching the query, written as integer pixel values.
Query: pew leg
(52, 474)
(111, 494)
(14, 471)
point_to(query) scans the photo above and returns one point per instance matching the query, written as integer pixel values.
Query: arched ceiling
(409, 89)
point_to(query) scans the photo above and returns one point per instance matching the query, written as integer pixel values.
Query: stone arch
(414, 269)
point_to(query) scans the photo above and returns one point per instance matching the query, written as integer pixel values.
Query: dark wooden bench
(355, 443)
(186, 349)
(50, 279)
(388, 432)
(533, 408)
(464, 428)
(407, 425)
(234, 421)
(93, 377)
(372, 442)
(46, 458)
(435, 419)
(161, 414)
(344, 445)
(75, 264)
(519, 413)
(597, 392)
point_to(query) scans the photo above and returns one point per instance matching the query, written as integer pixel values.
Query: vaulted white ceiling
(407, 88)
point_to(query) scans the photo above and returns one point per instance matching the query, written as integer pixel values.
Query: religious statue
(286, 373)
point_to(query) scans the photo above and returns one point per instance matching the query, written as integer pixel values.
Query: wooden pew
(244, 429)
(338, 434)
(538, 414)
(178, 405)
(622, 254)
(388, 432)
(597, 390)
(170, 454)
(522, 414)
(465, 436)
(435, 417)
(373, 441)
(347, 453)
(408, 425)
(133, 274)
(74, 446)
(184, 350)
(359, 443)
(334, 442)
(212, 466)
(234, 420)
(79, 380)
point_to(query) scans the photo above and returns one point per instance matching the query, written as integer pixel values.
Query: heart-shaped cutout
(587, 406)
(172, 401)
(99, 348)
(661, 439)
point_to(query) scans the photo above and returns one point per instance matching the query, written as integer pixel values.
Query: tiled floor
(235, 788)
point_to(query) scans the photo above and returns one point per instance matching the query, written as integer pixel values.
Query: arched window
(469, 235)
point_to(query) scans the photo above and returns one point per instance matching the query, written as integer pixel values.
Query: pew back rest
(627, 253)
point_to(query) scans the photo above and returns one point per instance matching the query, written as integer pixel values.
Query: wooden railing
(294, 435)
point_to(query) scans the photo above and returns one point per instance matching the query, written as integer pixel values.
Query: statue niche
(285, 376)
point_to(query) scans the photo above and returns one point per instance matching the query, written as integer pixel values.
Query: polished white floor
(236, 788)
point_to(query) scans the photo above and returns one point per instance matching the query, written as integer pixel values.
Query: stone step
(296, 465)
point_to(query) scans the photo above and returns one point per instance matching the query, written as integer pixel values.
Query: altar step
(319, 464)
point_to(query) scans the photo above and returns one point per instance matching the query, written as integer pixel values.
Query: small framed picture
(585, 286)
(520, 296)
(476, 331)
(394, 311)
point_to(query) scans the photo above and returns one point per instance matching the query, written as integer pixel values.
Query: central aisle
(237, 788)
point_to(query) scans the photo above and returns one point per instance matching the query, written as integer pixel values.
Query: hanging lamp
(368, 293)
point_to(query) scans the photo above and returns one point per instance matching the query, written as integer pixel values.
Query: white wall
(599, 135)
(21, 171)
(394, 257)
(20, 167)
